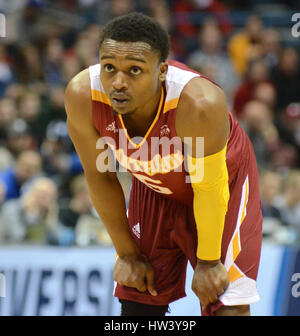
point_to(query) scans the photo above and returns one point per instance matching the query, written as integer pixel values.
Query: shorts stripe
(234, 273)
(242, 289)
(234, 247)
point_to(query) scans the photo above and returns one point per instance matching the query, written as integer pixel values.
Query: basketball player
(135, 99)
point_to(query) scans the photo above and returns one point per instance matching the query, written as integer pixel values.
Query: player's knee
(243, 310)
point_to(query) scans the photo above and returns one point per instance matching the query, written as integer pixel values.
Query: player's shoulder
(79, 86)
(202, 111)
(196, 91)
(200, 95)
(78, 97)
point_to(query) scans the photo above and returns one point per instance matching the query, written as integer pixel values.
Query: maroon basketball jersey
(157, 159)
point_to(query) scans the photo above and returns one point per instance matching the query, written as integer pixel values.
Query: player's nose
(119, 82)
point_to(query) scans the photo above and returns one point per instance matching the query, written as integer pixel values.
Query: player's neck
(138, 123)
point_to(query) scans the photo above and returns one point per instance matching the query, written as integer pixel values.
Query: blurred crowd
(44, 197)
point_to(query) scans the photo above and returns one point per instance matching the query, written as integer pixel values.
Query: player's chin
(124, 110)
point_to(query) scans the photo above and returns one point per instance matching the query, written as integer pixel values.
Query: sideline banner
(73, 281)
(50, 281)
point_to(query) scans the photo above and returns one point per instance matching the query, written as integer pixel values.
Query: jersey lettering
(153, 184)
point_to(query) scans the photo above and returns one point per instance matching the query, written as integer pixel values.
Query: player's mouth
(120, 102)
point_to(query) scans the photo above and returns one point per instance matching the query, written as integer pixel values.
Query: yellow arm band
(209, 178)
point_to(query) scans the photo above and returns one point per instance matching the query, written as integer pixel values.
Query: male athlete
(185, 204)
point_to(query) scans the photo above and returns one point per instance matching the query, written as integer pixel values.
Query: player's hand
(135, 272)
(210, 280)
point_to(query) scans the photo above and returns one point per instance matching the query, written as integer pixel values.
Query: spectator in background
(6, 75)
(56, 95)
(288, 125)
(289, 205)
(30, 21)
(91, 231)
(15, 90)
(37, 114)
(271, 46)
(286, 78)
(60, 161)
(210, 59)
(270, 150)
(82, 225)
(8, 113)
(2, 199)
(80, 204)
(86, 50)
(266, 93)
(121, 7)
(270, 188)
(6, 159)
(33, 218)
(28, 68)
(258, 124)
(246, 46)
(52, 63)
(71, 66)
(186, 26)
(109, 9)
(29, 106)
(160, 11)
(19, 137)
(27, 167)
(33, 65)
(30, 111)
(284, 158)
(258, 73)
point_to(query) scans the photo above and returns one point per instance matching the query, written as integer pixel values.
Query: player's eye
(108, 68)
(135, 70)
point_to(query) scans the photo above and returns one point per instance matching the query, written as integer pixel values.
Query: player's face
(131, 74)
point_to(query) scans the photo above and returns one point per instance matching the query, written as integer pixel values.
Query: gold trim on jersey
(100, 97)
(170, 105)
(162, 98)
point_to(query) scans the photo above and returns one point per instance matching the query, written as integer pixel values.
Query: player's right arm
(104, 187)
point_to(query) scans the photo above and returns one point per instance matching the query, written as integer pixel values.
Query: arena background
(55, 255)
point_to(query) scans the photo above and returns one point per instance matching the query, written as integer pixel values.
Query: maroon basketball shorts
(165, 231)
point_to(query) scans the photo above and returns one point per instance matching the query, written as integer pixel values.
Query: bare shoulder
(203, 112)
(78, 96)
(203, 97)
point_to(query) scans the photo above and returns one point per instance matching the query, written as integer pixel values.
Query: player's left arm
(202, 113)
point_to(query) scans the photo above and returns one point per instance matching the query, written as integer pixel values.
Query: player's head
(133, 51)
(137, 27)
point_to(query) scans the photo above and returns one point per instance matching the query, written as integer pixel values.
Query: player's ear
(163, 70)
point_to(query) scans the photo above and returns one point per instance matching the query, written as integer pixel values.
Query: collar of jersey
(160, 105)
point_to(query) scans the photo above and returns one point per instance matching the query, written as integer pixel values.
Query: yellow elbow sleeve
(209, 178)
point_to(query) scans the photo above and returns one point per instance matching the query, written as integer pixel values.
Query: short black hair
(137, 27)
